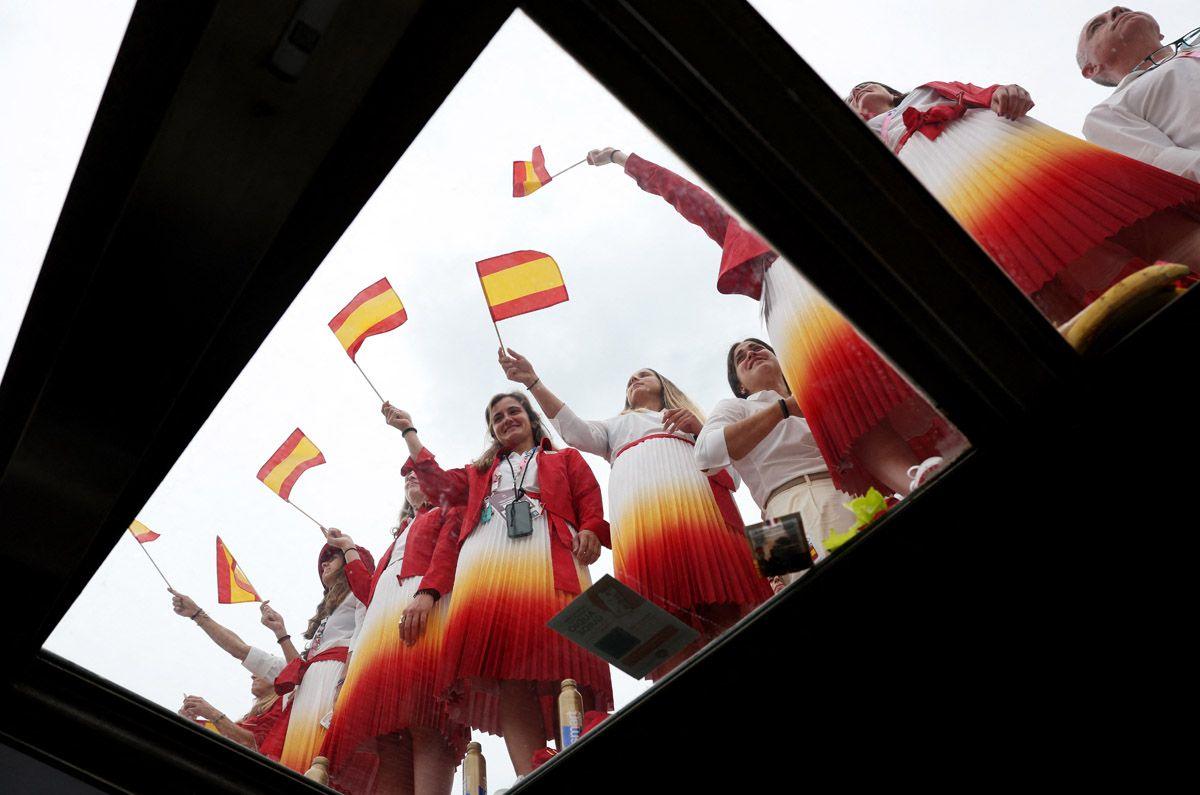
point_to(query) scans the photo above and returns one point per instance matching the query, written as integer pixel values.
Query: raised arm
(690, 201)
(587, 435)
(224, 637)
(444, 487)
(357, 573)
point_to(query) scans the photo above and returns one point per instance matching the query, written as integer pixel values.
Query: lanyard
(518, 491)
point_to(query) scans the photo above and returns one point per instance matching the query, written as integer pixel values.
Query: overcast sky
(640, 280)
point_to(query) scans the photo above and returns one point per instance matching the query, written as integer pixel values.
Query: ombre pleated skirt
(496, 628)
(1035, 198)
(670, 542)
(311, 701)
(390, 686)
(844, 387)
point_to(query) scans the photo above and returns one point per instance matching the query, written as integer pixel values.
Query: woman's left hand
(586, 547)
(681, 420)
(1011, 102)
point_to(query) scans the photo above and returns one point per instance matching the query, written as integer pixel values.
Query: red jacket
(567, 490)
(269, 729)
(744, 255)
(424, 530)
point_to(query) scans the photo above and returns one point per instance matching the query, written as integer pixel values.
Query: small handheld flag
(232, 585)
(143, 534)
(529, 175)
(520, 282)
(289, 462)
(373, 311)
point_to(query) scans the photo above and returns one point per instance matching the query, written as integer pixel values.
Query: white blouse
(785, 453)
(605, 437)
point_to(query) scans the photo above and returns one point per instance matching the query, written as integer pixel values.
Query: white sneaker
(921, 471)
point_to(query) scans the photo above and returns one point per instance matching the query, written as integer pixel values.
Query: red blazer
(269, 729)
(423, 533)
(567, 490)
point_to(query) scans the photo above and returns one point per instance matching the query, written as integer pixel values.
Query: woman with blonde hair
(261, 729)
(532, 522)
(677, 535)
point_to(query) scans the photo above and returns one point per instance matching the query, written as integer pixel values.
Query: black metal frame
(79, 455)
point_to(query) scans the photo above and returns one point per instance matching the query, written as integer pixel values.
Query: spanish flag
(373, 311)
(520, 282)
(285, 467)
(232, 585)
(529, 175)
(143, 534)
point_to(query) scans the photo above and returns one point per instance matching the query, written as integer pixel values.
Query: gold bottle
(319, 772)
(570, 714)
(474, 771)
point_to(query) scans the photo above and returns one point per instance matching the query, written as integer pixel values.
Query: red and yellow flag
(520, 282)
(529, 175)
(284, 468)
(373, 311)
(143, 534)
(232, 585)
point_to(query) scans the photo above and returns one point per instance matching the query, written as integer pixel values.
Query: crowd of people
(447, 633)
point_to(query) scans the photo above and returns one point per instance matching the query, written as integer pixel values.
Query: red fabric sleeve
(442, 487)
(585, 497)
(691, 201)
(972, 95)
(359, 577)
(744, 255)
(440, 574)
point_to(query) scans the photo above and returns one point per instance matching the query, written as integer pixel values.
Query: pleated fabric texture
(844, 387)
(1033, 197)
(671, 544)
(390, 686)
(496, 628)
(311, 701)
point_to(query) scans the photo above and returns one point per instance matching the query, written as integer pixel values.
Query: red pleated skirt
(1035, 198)
(671, 544)
(389, 687)
(496, 628)
(844, 386)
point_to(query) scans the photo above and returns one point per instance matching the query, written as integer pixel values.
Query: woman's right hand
(182, 604)
(399, 419)
(517, 367)
(416, 615)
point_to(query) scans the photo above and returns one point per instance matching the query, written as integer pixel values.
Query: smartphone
(520, 519)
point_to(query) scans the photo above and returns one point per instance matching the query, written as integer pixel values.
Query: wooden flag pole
(306, 513)
(498, 337)
(151, 559)
(568, 168)
(488, 304)
(373, 389)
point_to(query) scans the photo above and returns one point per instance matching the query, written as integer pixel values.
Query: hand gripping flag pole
(144, 535)
(374, 310)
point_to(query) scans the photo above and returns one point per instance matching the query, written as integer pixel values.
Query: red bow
(291, 676)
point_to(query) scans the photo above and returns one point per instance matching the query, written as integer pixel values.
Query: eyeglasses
(1168, 51)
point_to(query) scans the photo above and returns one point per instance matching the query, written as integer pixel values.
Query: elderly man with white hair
(1154, 113)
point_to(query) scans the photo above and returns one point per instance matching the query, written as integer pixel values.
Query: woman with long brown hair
(532, 521)
(312, 678)
(677, 536)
